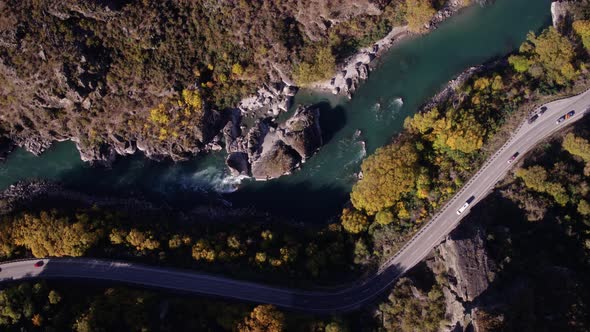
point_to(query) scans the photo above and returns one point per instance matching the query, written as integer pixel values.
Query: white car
(463, 208)
(466, 205)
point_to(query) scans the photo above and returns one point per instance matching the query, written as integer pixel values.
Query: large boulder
(270, 150)
(276, 160)
(302, 131)
(468, 266)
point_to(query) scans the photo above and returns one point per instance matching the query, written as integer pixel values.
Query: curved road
(333, 301)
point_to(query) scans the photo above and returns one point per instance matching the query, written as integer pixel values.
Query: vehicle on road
(533, 118)
(570, 114)
(543, 110)
(39, 264)
(513, 157)
(566, 116)
(466, 205)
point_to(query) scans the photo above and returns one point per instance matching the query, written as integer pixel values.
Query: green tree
(578, 146)
(550, 56)
(320, 69)
(582, 28)
(520, 63)
(535, 178)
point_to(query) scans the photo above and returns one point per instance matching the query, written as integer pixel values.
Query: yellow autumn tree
(142, 240)
(354, 221)
(202, 250)
(48, 234)
(263, 318)
(457, 130)
(387, 175)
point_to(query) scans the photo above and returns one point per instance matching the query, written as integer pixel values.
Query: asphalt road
(334, 300)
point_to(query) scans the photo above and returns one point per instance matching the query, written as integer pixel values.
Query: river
(405, 78)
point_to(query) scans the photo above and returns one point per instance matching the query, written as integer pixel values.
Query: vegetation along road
(326, 301)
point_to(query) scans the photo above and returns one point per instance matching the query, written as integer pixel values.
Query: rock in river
(302, 131)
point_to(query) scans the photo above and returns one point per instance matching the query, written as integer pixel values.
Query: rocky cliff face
(559, 12)
(269, 150)
(463, 259)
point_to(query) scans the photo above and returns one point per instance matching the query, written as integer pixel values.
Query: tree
(387, 175)
(459, 130)
(584, 207)
(549, 56)
(142, 240)
(578, 146)
(51, 235)
(354, 221)
(418, 14)
(237, 69)
(535, 178)
(320, 69)
(582, 28)
(54, 297)
(202, 250)
(384, 217)
(264, 318)
(456, 130)
(520, 63)
(336, 326)
(361, 252)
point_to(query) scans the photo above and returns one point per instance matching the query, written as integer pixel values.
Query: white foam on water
(213, 179)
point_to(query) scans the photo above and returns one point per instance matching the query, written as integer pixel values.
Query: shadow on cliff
(332, 120)
(537, 280)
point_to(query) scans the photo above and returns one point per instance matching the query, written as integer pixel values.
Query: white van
(463, 208)
(466, 205)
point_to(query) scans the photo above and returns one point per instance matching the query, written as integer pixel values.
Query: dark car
(543, 110)
(561, 119)
(39, 264)
(533, 118)
(570, 114)
(513, 157)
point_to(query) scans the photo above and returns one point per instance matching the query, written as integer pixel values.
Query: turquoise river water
(406, 77)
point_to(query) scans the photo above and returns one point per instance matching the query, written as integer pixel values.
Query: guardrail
(486, 164)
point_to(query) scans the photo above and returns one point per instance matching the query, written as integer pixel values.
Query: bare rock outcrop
(559, 12)
(276, 160)
(467, 264)
(269, 150)
(302, 131)
(463, 259)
